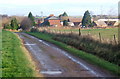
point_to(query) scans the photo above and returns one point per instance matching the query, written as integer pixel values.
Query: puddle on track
(48, 66)
(51, 72)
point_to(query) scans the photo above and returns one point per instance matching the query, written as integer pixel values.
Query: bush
(34, 30)
(7, 26)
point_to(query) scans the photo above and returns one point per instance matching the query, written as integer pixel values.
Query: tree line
(13, 25)
(86, 20)
(25, 24)
(29, 22)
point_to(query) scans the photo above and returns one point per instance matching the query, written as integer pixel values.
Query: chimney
(51, 15)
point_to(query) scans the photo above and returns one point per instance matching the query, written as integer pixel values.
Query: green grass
(0, 52)
(105, 33)
(86, 56)
(14, 60)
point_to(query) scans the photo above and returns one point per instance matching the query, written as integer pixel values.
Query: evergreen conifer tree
(14, 24)
(86, 21)
(31, 18)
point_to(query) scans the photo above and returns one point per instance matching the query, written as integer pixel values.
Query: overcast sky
(56, 7)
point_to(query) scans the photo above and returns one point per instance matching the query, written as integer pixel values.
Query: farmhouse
(53, 21)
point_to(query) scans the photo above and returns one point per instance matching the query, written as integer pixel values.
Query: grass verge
(15, 62)
(86, 56)
(0, 53)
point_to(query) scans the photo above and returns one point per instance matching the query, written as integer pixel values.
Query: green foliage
(14, 24)
(86, 21)
(31, 18)
(64, 14)
(7, 26)
(34, 30)
(65, 23)
(86, 56)
(47, 23)
(93, 24)
(14, 61)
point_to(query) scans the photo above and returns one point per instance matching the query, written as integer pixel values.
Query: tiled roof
(75, 19)
(51, 18)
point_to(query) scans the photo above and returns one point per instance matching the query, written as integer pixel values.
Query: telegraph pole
(42, 16)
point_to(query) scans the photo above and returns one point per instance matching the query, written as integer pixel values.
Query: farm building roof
(75, 19)
(108, 20)
(51, 18)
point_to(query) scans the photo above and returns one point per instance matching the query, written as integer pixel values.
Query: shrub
(34, 30)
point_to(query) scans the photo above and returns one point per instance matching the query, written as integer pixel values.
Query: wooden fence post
(79, 32)
(100, 36)
(71, 31)
(115, 39)
(88, 33)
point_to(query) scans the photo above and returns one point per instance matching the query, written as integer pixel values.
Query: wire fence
(112, 38)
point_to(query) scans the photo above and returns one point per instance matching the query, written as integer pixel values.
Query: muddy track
(55, 62)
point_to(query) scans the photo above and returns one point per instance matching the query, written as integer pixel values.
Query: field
(106, 34)
(82, 54)
(14, 60)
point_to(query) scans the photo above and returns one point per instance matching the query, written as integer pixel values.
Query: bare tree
(5, 20)
(26, 24)
(111, 13)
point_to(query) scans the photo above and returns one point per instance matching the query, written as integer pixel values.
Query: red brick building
(54, 21)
